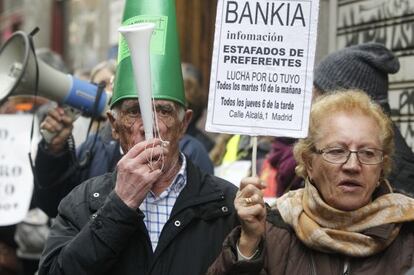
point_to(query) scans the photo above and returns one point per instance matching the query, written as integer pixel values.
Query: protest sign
(261, 74)
(16, 178)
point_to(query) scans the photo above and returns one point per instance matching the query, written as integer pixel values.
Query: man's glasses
(338, 155)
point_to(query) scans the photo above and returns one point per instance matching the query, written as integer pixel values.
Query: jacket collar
(198, 190)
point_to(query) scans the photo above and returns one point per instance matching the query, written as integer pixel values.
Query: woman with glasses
(346, 220)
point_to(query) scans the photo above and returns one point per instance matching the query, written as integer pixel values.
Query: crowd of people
(113, 202)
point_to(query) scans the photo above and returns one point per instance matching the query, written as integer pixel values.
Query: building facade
(390, 22)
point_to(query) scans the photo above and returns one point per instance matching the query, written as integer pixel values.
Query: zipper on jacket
(347, 268)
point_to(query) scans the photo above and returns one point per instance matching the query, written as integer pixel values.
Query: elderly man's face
(129, 129)
(347, 186)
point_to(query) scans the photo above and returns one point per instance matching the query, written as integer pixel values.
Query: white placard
(16, 178)
(262, 67)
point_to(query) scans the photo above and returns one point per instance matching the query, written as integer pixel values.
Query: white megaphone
(18, 77)
(138, 37)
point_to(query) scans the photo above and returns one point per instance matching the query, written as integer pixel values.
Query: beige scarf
(327, 229)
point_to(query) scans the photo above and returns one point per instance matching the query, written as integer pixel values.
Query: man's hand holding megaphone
(57, 127)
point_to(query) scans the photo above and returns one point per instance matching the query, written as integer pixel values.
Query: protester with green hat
(155, 213)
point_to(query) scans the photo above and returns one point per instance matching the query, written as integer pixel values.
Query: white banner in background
(16, 178)
(262, 67)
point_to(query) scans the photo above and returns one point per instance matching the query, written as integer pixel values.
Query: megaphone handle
(71, 112)
(47, 135)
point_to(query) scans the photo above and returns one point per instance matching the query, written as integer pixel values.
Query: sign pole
(254, 156)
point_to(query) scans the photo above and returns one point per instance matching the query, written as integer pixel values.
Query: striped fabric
(157, 210)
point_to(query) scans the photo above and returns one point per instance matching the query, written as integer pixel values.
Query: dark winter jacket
(96, 233)
(402, 174)
(283, 253)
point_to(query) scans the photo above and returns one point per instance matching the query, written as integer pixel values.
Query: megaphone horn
(138, 37)
(18, 77)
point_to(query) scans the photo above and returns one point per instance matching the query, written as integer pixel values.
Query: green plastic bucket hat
(166, 74)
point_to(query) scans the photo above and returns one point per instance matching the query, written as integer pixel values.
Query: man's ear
(112, 120)
(186, 120)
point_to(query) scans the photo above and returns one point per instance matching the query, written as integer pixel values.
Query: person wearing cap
(365, 67)
(196, 101)
(157, 213)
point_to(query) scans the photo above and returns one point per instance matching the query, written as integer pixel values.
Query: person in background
(366, 67)
(219, 150)
(52, 58)
(195, 143)
(196, 101)
(346, 219)
(281, 158)
(102, 73)
(232, 155)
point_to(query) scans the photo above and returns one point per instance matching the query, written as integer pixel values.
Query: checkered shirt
(157, 210)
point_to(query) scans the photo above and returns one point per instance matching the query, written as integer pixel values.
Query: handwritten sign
(262, 67)
(16, 178)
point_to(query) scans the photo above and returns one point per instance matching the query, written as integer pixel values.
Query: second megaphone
(18, 77)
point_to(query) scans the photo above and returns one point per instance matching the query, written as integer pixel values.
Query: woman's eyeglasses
(338, 155)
